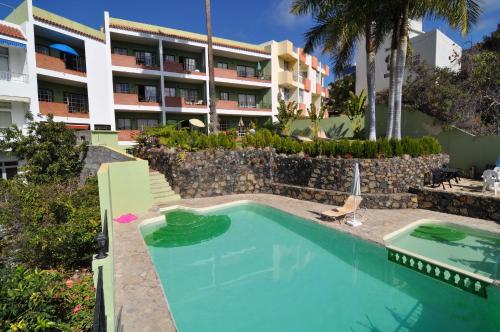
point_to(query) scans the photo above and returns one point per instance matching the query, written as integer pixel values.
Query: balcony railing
(134, 98)
(234, 74)
(75, 66)
(62, 109)
(13, 77)
(235, 105)
(178, 67)
(184, 102)
(256, 76)
(135, 62)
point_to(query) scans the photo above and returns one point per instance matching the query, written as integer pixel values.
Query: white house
(433, 47)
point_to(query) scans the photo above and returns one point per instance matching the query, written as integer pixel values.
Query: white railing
(13, 77)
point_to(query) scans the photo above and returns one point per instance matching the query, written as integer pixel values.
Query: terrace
(70, 101)
(136, 92)
(242, 69)
(134, 53)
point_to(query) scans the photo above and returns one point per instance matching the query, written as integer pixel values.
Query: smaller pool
(463, 247)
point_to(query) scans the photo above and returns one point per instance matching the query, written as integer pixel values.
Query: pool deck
(138, 291)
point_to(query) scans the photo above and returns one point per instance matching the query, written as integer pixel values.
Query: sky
(254, 21)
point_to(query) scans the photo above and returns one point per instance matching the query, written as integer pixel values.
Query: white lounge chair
(351, 204)
(491, 178)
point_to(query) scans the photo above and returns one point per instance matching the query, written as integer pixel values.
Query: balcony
(61, 109)
(307, 84)
(288, 78)
(76, 66)
(234, 105)
(177, 67)
(314, 62)
(326, 68)
(127, 135)
(302, 56)
(319, 89)
(135, 99)
(303, 110)
(133, 62)
(183, 102)
(287, 51)
(13, 77)
(234, 74)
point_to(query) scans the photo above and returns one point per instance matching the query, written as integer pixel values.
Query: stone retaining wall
(386, 176)
(213, 173)
(464, 204)
(331, 197)
(97, 155)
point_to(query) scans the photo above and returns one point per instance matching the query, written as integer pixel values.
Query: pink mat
(126, 218)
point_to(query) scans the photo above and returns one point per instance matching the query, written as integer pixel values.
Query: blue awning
(64, 48)
(7, 42)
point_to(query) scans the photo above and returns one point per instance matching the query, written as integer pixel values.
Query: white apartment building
(129, 75)
(433, 47)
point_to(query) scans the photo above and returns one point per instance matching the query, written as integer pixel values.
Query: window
(5, 119)
(224, 95)
(147, 93)
(45, 95)
(144, 58)
(190, 95)
(42, 49)
(222, 65)
(246, 101)
(189, 64)
(244, 71)
(120, 50)
(102, 127)
(286, 94)
(169, 58)
(224, 125)
(286, 65)
(170, 92)
(77, 103)
(122, 88)
(4, 59)
(124, 124)
(8, 169)
(143, 123)
(301, 96)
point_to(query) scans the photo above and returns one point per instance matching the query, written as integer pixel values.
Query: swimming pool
(271, 271)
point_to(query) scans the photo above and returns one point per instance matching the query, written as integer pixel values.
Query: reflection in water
(183, 228)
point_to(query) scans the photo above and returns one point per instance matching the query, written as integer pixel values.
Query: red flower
(77, 308)
(69, 283)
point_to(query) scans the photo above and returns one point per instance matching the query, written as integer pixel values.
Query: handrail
(13, 76)
(99, 323)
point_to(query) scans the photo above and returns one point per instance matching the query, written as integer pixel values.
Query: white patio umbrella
(355, 191)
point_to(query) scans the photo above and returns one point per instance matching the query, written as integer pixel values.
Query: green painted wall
(232, 63)
(234, 120)
(59, 89)
(131, 47)
(105, 137)
(465, 150)
(18, 15)
(262, 96)
(334, 127)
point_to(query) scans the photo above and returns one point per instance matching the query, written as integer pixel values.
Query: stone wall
(464, 204)
(97, 155)
(385, 176)
(213, 173)
(331, 197)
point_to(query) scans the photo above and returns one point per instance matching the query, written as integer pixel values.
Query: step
(164, 195)
(166, 200)
(160, 188)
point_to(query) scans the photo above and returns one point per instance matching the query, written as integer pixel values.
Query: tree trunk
(214, 121)
(400, 69)
(370, 80)
(392, 76)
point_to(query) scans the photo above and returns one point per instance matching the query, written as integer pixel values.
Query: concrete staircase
(160, 189)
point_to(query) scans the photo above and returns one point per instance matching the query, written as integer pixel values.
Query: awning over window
(7, 42)
(15, 98)
(78, 126)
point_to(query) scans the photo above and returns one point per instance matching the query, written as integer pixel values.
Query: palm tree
(461, 14)
(339, 25)
(214, 121)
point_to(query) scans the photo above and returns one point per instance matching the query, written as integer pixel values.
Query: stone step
(160, 187)
(166, 200)
(163, 194)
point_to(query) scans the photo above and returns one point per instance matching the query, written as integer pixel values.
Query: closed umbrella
(64, 48)
(355, 191)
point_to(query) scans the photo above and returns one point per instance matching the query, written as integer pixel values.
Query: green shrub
(49, 225)
(371, 149)
(384, 147)
(343, 147)
(397, 147)
(44, 300)
(357, 149)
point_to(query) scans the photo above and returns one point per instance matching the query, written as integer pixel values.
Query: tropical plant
(49, 148)
(462, 14)
(315, 115)
(339, 24)
(354, 109)
(214, 120)
(339, 94)
(288, 111)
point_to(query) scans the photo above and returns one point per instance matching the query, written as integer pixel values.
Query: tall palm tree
(462, 14)
(214, 121)
(339, 24)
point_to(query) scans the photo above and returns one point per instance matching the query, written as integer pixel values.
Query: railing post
(99, 324)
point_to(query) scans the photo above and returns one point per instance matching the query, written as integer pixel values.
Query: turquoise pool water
(272, 271)
(476, 251)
